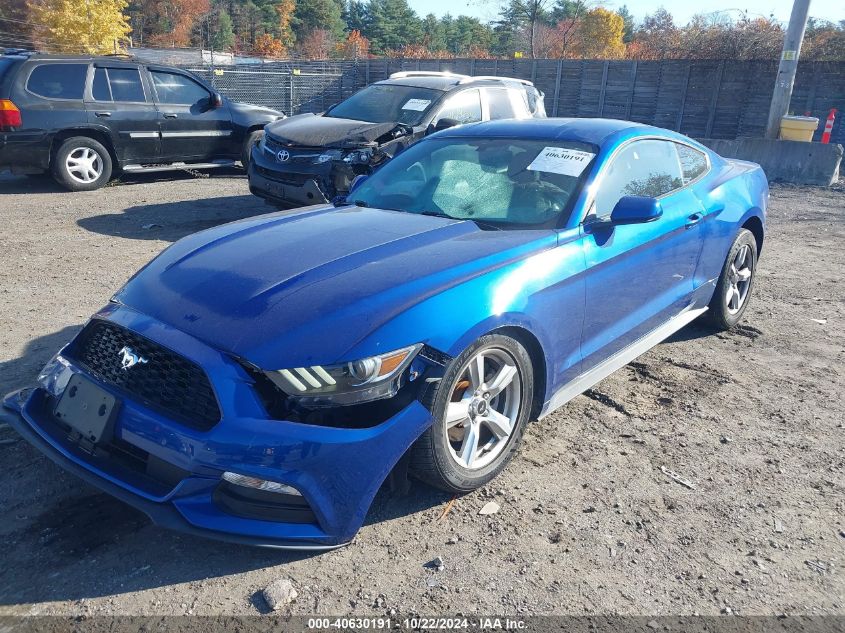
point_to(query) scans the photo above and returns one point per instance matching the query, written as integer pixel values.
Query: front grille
(285, 177)
(168, 381)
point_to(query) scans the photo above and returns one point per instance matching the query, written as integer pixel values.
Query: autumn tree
(285, 10)
(354, 46)
(93, 26)
(600, 35)
(318, 44)
(268, 46)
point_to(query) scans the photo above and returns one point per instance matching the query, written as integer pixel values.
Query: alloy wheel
(739, 279)
(84, 165)
(484, 408)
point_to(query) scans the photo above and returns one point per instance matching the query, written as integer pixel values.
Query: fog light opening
(260, 484)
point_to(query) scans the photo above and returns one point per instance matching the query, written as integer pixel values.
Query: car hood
(302, 288)
(254, 110)
(311, 130)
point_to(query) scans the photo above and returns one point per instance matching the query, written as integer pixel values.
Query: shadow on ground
(173, 220)
(85, 544)
(44, 183)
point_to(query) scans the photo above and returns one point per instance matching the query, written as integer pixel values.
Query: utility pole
(788, 65)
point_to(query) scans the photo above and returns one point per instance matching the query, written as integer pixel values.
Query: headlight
(363, 380)
(360, 156)
(332, 154)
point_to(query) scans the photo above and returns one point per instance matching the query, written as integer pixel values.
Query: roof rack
(426, 73)
(468, 80)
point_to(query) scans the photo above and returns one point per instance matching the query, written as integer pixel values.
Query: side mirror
(443, 124)
(636, 210)
(216, 100)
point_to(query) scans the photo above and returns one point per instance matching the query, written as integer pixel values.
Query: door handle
(170, 115)
(103, 114)
(694, 219)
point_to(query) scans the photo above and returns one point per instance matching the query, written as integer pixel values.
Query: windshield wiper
(438, 214)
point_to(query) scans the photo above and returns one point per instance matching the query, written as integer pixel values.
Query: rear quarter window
(58, 81)
(693, 162)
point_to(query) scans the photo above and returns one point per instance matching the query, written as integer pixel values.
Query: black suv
(310, 159)
(83, 118)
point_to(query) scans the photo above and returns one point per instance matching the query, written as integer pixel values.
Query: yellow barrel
(798, 128)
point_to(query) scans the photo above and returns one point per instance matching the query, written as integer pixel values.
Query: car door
(192, 127)
(638, 275)
(121, 101)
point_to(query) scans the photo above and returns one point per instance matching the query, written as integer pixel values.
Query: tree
(600, 35)
(657, 37)
(356, 16)
(223, 37)
(531, 13)
(92, 26)
(285, 10)
(355, 46)
(628, 24)
(318, 44)
(322, 15)
(393, 25)
(268, 46)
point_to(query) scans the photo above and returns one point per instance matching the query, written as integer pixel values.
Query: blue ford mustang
(258, 381)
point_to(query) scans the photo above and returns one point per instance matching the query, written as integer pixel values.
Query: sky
(487, 10)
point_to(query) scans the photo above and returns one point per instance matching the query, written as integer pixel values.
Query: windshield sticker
(559, 160)
(416, 104)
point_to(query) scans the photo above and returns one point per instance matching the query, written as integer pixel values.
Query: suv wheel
(82, 164)
(251, 139)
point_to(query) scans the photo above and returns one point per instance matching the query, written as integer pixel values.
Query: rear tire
(733, 290)
(81, 164)
(478, 421)
(246, 152)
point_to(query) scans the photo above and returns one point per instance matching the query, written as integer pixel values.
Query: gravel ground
(588, 522)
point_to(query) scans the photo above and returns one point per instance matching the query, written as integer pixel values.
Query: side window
(177, 89)
(693, 162)
(499, 101)
(464, 107)
(118, 84)
(58, 81)
(643, 168)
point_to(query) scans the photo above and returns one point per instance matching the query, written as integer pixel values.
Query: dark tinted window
(500, 104)
(383, 103)
(117, 84)
(693, 162)
(100, 89)
(178, 89)
(464, 107)
(643, 168)
(58, 81)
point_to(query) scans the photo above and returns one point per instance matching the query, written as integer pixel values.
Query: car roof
(593, 131)
(446, 82)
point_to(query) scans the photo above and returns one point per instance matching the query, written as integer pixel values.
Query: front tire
(82, 164)
(733, 290)
(251, 139)
(481, 407)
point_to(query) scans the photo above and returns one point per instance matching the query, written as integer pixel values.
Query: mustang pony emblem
(283, 155)
(130, 358)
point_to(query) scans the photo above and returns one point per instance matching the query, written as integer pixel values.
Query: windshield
(386, 103)
(507, 182)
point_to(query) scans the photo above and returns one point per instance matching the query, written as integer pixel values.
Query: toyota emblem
(283, 155)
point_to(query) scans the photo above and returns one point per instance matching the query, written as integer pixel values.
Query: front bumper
(25, 152)
(337, 470)
(269, 181)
